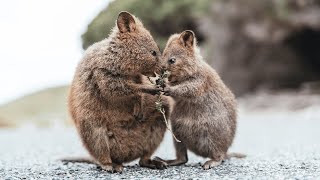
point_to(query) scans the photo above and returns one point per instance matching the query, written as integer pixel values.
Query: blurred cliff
(268, 45)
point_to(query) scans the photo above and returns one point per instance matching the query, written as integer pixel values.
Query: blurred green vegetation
(43, 108)
(161, 17)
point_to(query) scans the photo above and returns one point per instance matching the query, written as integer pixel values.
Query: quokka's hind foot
(174, 162)
(153, 164)
(211, 164)
(181, 155)
(118, 168)
(112, 168)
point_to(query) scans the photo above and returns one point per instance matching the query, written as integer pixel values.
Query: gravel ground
(278, 145)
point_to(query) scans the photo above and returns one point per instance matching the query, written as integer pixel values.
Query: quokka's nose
(163, 67)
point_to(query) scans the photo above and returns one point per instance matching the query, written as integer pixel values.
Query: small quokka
(204, 118)
(110, 99)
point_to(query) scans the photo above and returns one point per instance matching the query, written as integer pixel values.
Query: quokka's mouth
(150, 74)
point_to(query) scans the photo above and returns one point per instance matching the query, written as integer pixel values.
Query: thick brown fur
(204, 117)
(115, 118)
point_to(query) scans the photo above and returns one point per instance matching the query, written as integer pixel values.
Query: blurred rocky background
(268, 44)
(267, 51)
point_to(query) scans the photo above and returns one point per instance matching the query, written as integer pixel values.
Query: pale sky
(41, 43)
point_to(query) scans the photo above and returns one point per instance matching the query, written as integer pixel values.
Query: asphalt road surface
(279, 146)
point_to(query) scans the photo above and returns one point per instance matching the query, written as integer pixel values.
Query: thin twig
(160, 82)
(167, 125)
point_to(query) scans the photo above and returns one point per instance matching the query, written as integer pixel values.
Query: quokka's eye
(154, 53)
(172, 60)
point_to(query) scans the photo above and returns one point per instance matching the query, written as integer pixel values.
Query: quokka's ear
(126, 22)
(187, 38)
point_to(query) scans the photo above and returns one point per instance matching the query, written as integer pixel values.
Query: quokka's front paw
(139, 117)
(153, 90)
(167, 91)
(137, 113)
(143, 116)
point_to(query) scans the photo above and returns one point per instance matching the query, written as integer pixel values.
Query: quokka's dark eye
(172, 60)
(154, 53)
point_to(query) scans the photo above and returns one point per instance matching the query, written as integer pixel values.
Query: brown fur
(116, 121)
(204, 117)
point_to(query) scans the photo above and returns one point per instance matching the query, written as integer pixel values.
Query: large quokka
(204, 117)
(115, 119)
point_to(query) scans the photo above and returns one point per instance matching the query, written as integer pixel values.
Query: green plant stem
(159, 107)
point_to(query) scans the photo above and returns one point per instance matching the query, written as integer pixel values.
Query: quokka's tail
(78, 160)
(235, 155)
